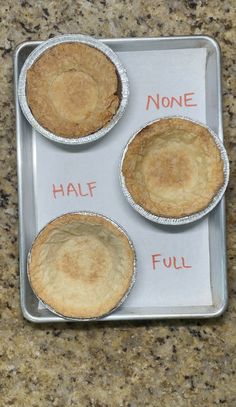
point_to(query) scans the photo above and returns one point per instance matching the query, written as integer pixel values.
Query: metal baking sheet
(26, 159)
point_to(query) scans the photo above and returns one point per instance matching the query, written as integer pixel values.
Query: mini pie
(81, 265)
(72, 90)
(173, 168)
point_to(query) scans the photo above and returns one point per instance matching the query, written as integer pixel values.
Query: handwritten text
(158, 101)
(170, 262)
(74, 189)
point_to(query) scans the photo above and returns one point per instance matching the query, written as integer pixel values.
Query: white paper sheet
(172, 264)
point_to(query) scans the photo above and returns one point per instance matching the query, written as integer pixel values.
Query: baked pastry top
(81, 266)
(173, 168)
(72, 90)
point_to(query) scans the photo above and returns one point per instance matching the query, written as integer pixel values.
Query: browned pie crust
(72, 90)
(81, 266)
(173, 168)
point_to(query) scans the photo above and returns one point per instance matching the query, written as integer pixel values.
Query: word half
(74, 189)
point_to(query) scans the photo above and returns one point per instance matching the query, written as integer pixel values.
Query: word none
(170, 262)
(79, 190)
(157, 101)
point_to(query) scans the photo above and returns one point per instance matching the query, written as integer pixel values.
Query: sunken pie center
(84, 258)
(74, 95)
(169, 170)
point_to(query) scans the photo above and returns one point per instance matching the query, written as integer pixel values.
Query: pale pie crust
(173, 168)
(72, 90)
(81, 266)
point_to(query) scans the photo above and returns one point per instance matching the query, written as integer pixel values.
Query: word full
(172, 262)
(158, 101)
(74, 189)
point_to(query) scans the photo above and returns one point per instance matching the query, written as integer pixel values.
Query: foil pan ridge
(132, 281)
(185, 219)
(95, 43)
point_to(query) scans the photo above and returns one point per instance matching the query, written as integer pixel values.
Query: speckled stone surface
(168, 363)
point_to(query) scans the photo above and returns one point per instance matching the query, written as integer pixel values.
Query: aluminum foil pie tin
(120, 228)
(122, 79)
(186, 219)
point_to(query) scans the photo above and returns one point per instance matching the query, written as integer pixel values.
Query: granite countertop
(158, 363)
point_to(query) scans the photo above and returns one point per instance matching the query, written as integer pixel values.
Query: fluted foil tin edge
(186, 219)
(95, 43)
(133, 279)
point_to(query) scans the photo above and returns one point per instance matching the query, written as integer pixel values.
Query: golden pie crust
(81, 266)
(72, 90)
(173, 168)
